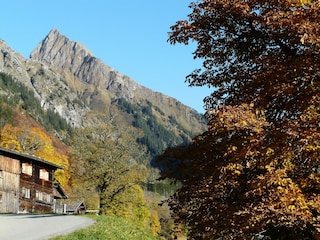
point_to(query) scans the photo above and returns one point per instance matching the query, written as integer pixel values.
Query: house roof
(27, 157)
(58, 192)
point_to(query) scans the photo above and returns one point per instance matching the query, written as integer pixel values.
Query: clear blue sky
(128, 35)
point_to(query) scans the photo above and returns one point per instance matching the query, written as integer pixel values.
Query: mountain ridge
(69, 80)
(78, 56)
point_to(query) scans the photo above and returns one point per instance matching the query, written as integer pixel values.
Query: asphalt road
(39, 227)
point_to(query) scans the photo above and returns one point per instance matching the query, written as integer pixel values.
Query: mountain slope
(69, 80)
(58, 51)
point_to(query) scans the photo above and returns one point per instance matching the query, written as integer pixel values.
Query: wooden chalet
(26, 183)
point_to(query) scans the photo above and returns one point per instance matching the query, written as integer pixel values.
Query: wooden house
(26, 183)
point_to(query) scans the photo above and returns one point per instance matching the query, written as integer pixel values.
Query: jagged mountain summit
(58, 51)
(69, 80)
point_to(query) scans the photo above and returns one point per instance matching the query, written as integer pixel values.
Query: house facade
(27, 183)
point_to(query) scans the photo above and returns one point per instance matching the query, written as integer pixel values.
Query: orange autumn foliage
(34, 140)
(255, 174)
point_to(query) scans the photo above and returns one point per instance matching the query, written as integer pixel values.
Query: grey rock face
(58, 51)
(48, 84)
(13, 63)
(69, 80)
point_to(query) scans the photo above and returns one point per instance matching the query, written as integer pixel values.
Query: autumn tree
(106, 163)
(8, 137)
(36, 141)
(255, 173)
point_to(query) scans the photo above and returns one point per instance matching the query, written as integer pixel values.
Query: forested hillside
(26, 127)
(155, 136)
(15, 94)
(68, 107)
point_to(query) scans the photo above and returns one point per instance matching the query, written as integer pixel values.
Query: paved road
(39, 227)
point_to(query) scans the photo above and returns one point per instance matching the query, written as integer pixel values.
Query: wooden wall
(25, 191)
(9, 185)
(37, 186)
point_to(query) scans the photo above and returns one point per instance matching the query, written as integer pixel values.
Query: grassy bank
(108, 228)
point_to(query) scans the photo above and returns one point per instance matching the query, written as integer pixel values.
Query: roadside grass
(108, 228)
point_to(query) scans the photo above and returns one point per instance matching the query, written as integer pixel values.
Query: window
(48, 198)
(27, 168)
(44, 196)
(1, 197)
(1, 174)
(44, 174)
(39, 196)
(26, 193)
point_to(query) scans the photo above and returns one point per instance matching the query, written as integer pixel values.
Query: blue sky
(128, 35)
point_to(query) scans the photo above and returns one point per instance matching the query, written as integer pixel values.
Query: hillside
(69, 81)
(68, 107)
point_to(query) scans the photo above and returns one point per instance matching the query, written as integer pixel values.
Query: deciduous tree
(8, 137)
(255, 173)
(106, 163)
(35, 141)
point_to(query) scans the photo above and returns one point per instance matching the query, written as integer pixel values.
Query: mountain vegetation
(108, 175)
(16, 94)
(156, 137)
(250, 172)
(101, 126)
(255, 173)
(112, 181)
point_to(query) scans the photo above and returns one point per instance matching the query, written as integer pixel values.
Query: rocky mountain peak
(100, 81)
(58, 50)
(68, 80)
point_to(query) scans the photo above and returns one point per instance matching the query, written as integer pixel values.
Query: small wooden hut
(77, 207)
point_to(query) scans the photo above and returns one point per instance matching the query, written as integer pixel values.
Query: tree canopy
(105, 162)
(255, 174)
(261, 52)
(106, 173)
(31, 138)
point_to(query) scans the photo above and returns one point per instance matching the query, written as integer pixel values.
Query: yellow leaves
(35, 141)
(278, 177)
(280, 189)
(312, 148)
(305, 2)
(291, 207)
(232, 149)
(314, 204)
(132, 205)
(233, 168)
(314, 177)
(285, 197)
(297, 3)
(269, 168)
(243, 123)
(8, 137)
(238, 118)
(270, 151)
